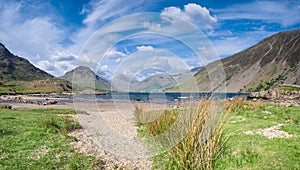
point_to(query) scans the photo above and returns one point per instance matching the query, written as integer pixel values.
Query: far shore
(65, 100)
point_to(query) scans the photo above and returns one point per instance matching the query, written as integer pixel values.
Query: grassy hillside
(36, 86)
(273, 61)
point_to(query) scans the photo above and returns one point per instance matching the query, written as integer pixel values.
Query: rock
(278, 95)
(53, 102)
(5, 106)
(19, 99)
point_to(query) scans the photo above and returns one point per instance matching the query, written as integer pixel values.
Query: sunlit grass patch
(37, 139)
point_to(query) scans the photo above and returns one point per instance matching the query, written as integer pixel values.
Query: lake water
(159, 97)
(142, 97)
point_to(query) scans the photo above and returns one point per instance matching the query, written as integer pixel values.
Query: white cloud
(38, 36)
(102, 68)
(194, 13)
(28, 37)
(58, 63)
(63, 56)
(35, 38)
(152, 26)
(285, 13)
(114, 54)
(108, 9)
(57, 68)
(144, 48)
(118, 60)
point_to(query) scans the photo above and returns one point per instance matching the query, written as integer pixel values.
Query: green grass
(289, 88)
(36, 86)
(255, 151)
(37, 139)
(233, 149)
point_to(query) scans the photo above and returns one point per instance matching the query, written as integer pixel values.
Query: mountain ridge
(273, 61)
(16, 68)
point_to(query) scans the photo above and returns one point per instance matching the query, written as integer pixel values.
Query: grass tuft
(202, 125)
(61, 125)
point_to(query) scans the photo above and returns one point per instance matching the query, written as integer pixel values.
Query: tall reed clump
(204, 139)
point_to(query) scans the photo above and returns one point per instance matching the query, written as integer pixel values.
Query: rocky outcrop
(286, 94)
(276, 94)
(20, 99)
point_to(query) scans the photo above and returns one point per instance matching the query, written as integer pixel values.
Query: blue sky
(52, 34)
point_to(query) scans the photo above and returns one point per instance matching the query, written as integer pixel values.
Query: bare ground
(271, 132)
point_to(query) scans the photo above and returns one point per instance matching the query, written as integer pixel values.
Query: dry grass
(194, 134)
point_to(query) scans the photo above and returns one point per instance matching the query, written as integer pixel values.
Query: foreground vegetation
(234, 142)
(254, 151)
(37, 139)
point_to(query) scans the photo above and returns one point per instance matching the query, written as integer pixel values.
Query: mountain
(155, 83)
(83, 77)
(273, 61)
(17, 68)
(196, 69)
(107, 75)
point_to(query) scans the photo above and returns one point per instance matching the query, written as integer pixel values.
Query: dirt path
(115, 133)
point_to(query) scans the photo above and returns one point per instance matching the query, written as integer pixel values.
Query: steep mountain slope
(273, 61)
(85, 78)
(17, 68)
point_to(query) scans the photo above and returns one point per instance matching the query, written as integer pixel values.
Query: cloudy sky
(54, 35)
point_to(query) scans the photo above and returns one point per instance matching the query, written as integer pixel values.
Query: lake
(158, 97)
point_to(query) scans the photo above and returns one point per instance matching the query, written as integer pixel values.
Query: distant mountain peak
(85, 78)
(83, 68)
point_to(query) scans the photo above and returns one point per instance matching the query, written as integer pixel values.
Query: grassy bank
(37, 139)
(36, 86)
(247, 136)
